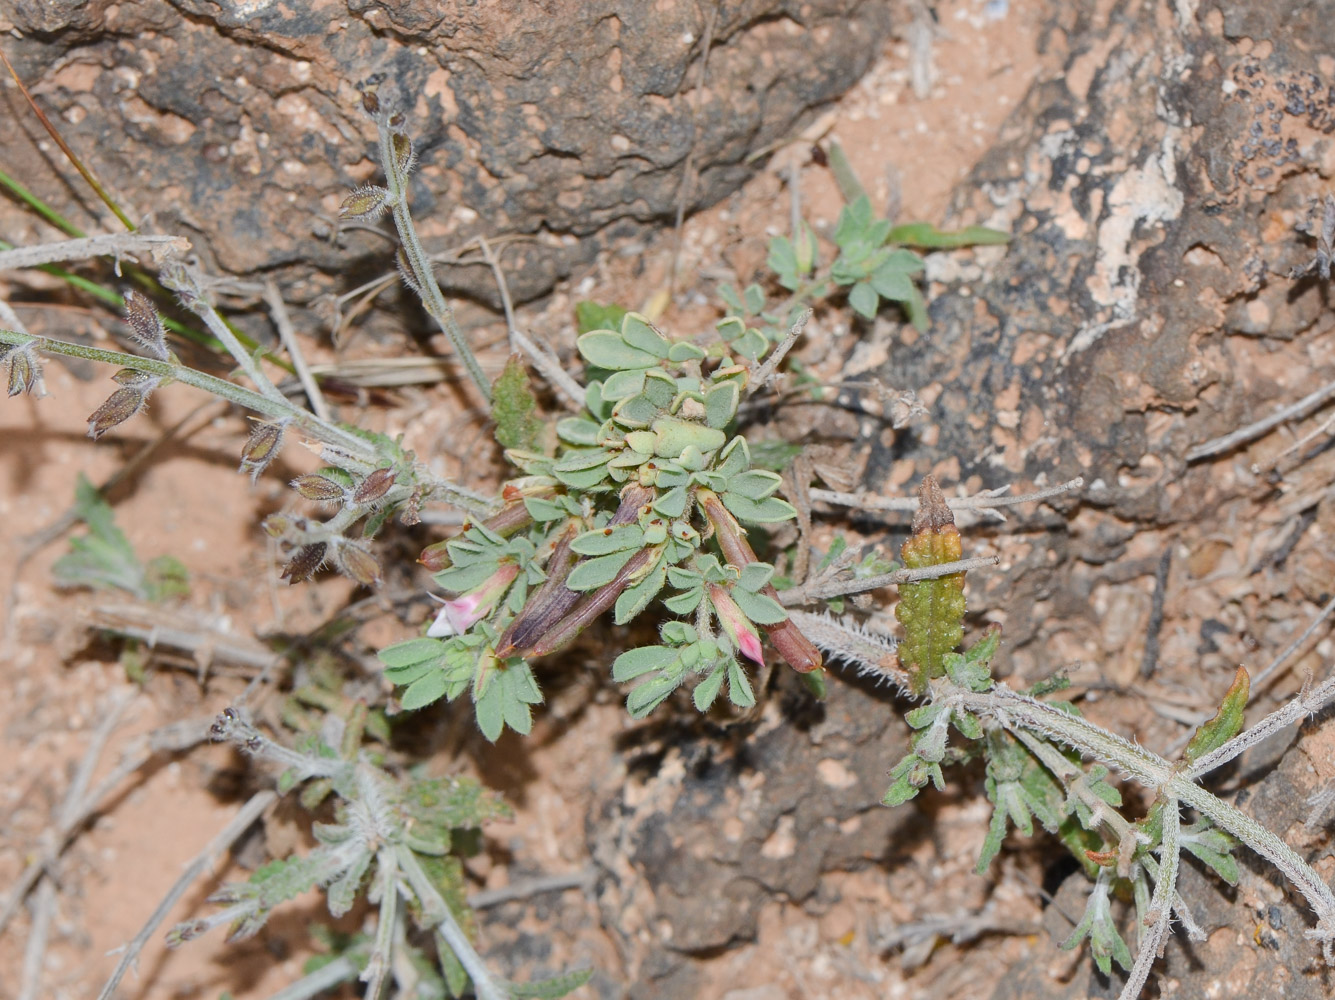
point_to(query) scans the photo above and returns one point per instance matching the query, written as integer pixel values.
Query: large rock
(567, 122)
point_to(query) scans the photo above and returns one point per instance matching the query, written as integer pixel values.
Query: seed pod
(411, 513)
(120, 406)
(370, 102)
(23, 371)
(266, 440)
(404, 157)
(319, 488)
(145, 324)
(132, 379)
(276, 525)
(305, 562)
(358, 564)
(366, 204)
(374, 486)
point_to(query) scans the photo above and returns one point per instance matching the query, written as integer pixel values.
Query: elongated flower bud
(739, 628)
(788, 640)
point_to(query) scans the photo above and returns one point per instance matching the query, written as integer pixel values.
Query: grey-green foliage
(639, 503)
(873, 264)
(393, 838)
(103, 558)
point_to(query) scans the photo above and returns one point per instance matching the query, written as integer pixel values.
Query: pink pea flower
(739, 628)
(459, 615)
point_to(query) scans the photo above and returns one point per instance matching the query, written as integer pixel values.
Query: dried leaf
(1226, 723)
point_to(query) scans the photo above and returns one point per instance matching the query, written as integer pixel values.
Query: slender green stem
(40, 207)
(277, 409)
(180, 280)
(396, 182)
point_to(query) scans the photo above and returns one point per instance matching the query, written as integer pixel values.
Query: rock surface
(566, 123)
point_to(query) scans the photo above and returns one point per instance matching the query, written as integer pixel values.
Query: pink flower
(739, 628)
(459, 615)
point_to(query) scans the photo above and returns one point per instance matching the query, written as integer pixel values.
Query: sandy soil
(59, 681)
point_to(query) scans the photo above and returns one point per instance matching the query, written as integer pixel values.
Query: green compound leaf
(514, 408)
(721, 404)
(755, 575)
(413, 651)
(931, 611)
(502, 696)
(649, 695)
(739, 686)
(578, 431)
(1227, 722)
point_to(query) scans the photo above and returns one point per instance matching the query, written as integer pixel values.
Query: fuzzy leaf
(649, 695)
(768, 511)
(601, 541)
(754, 576)
(761, 609)
(639, 333)
(591, 574)
(403, 654)
(605, 349)
(424, 691)
(864, 300)
(739, 686)
(578, 431)
(514, 408)
(636, 598)
(757, 484)
(590, 316)
(707, 690)
(1226, 723)
(721, 404)
(637, 662)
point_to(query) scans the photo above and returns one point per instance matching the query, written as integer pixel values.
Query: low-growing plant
(649, 502)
